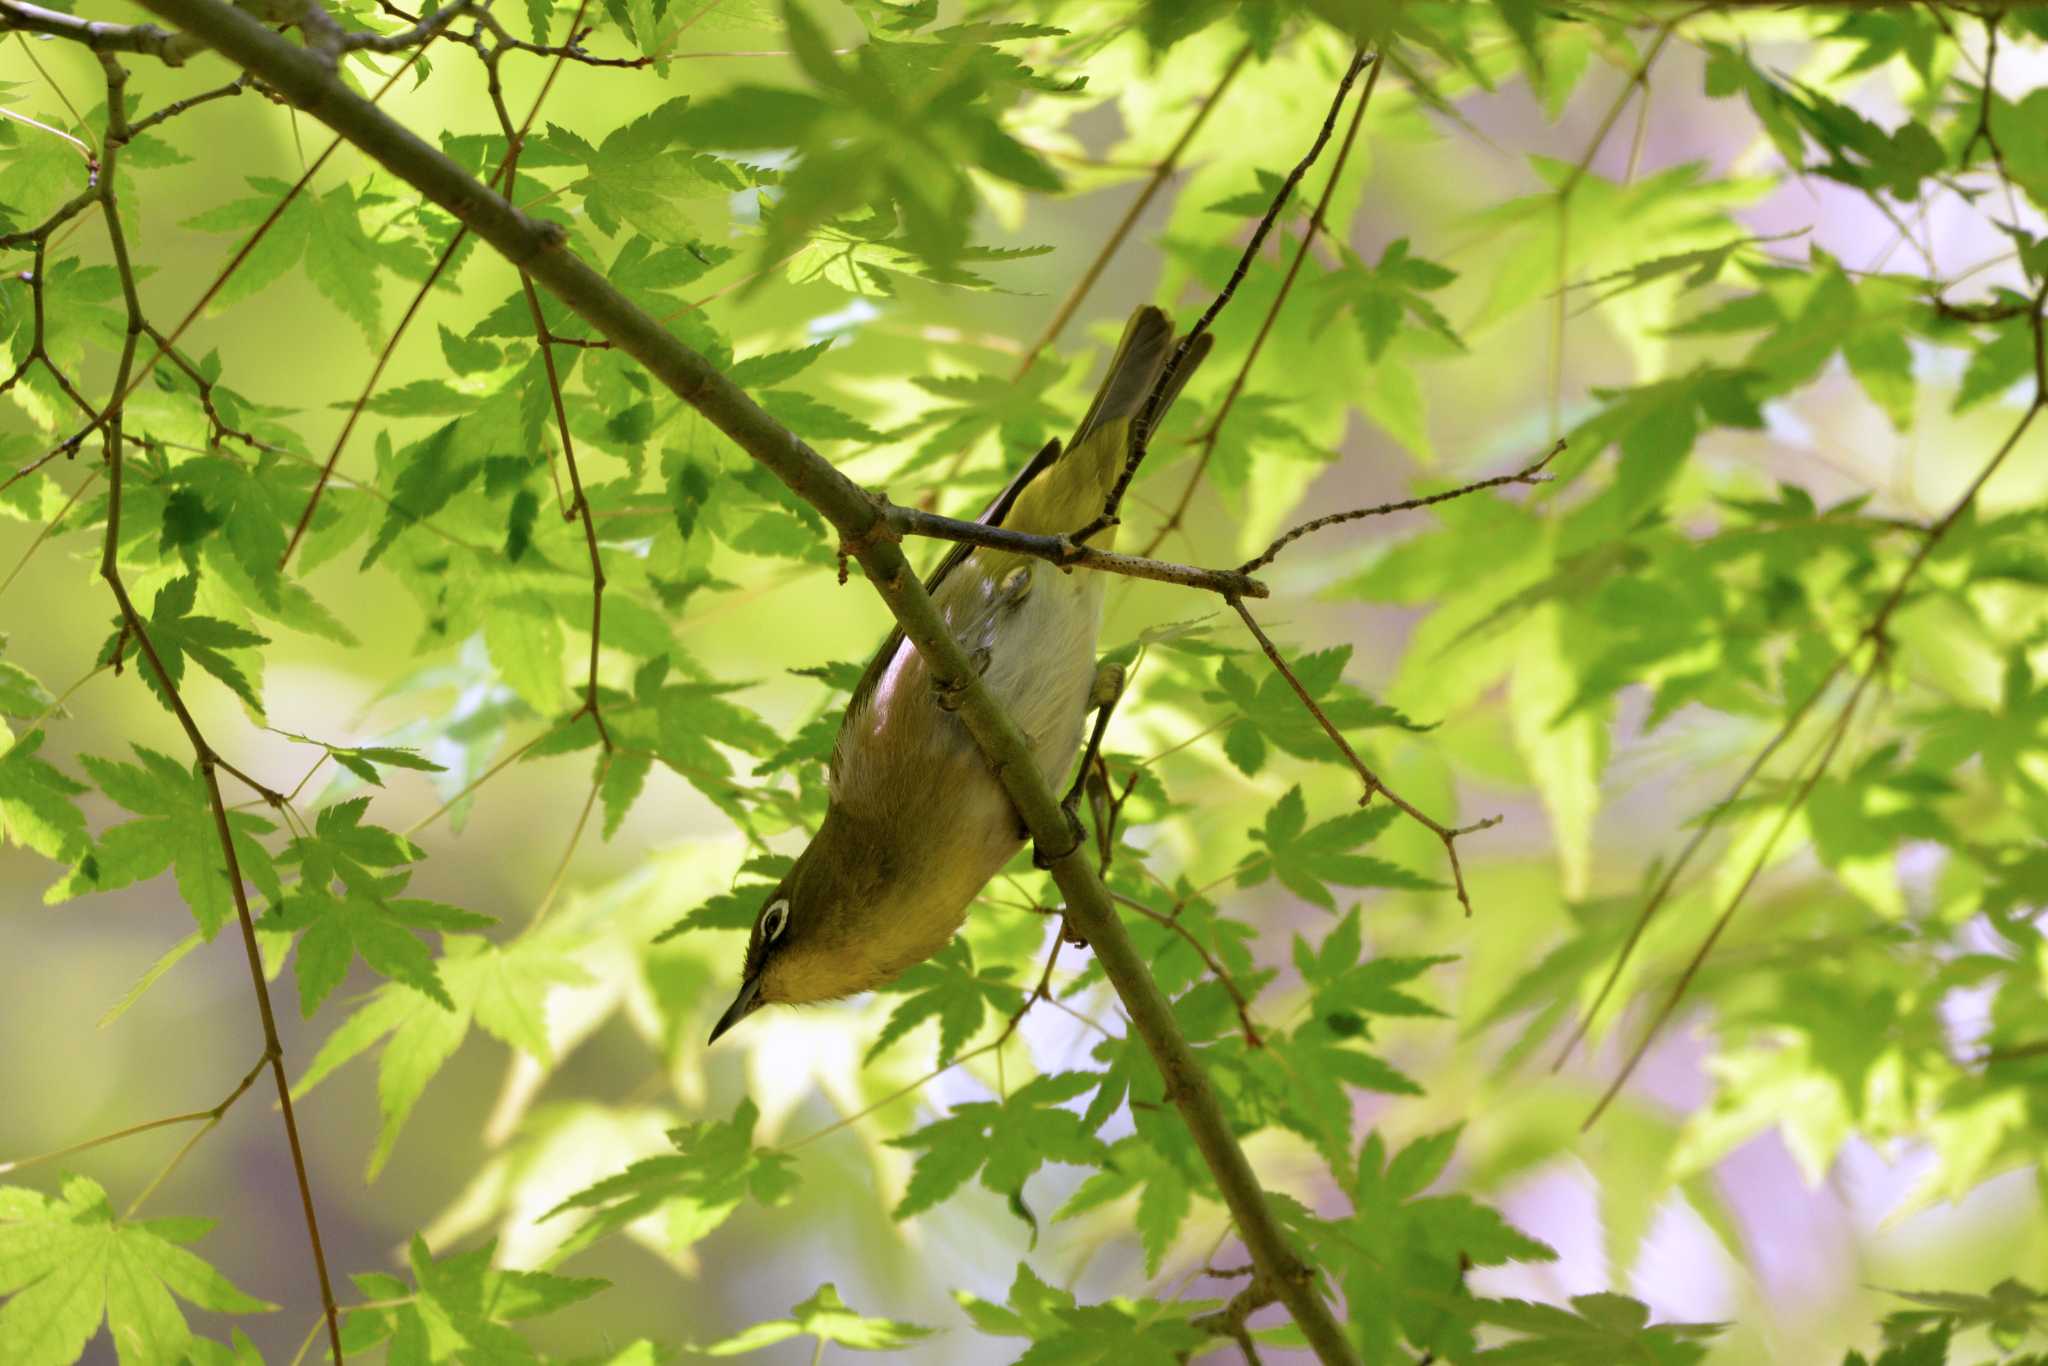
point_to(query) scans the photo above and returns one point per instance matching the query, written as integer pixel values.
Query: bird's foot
(1041, 858)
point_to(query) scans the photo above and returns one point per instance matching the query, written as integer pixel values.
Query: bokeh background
(1798, 1259)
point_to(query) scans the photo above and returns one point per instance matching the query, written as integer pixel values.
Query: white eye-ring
(775, 922)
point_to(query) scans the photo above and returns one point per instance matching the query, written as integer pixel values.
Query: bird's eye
(774, 922)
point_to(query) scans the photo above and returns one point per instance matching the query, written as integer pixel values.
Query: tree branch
(1532, 475)
(1141, 425)
(540, 248)
(144, 39)
(118, 134)
(1065, 552)
(1214, 429)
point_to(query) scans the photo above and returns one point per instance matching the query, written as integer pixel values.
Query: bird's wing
(992, 515)
(1141, 355)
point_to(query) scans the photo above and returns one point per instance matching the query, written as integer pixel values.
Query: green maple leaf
(39, 170)
(20, 692)
(694, 720)
(360, 923)
(502, 988)
(1116, 1332)
(458, 1307)
(323, 235)
(730, 910)
(826, 1317)
(1403, 1255)
(2011, 1310)
(1270, 713)
(179, 636)
(1313, 1070)
(1602, 1327)
(946, 987)
(38, 809)
(621, 776)
(644, 269)
(1004, 1141)
(343, 261)
(364, 761)
(340, 847)
(696, 1188)
(895, 128)
(1308, 859)
(974, 407)
(1165, 1194)
(67, 1262)
(364, 919)
(1380, 297)
(176, 831)
(640, 177)
(430, 472)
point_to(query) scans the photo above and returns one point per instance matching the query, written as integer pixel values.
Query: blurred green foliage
(1755, 679)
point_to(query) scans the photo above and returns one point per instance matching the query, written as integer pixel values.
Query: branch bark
(1068, 553)
(539, 248)
(146, 39)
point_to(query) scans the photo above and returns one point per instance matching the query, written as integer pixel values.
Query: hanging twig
(1532, 475)
(1213, 431)
(1141, 425)
(117, 135)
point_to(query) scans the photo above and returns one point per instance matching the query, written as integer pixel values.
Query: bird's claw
(1042, 860)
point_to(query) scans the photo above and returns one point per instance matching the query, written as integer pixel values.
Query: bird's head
(825, 931)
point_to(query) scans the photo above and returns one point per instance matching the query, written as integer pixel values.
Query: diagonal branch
(1141, 425)
(1214, 430)
(540, 248)
(1065, 552)
(118, 134)
(144, 39)
(1875, 633)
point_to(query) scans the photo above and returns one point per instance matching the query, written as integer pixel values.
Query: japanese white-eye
(916, 822)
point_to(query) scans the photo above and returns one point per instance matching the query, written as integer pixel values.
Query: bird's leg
(1103, 695)
(1102, 698)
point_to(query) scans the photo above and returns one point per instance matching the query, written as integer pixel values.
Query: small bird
(916, 823)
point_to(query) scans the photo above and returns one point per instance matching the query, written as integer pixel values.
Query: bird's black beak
(742, 1006)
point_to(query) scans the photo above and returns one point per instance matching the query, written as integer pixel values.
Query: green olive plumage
(916, 824)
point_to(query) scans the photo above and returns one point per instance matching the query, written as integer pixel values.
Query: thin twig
(1222, 975)
(561, 873)
(1141, 426)
(1213, 431)
(1069, 554)
(177, 107)
(213, 1118)
(1447, 835)
(1875, 632)
(192, 1117)
(1532, 475)
(209, 762)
